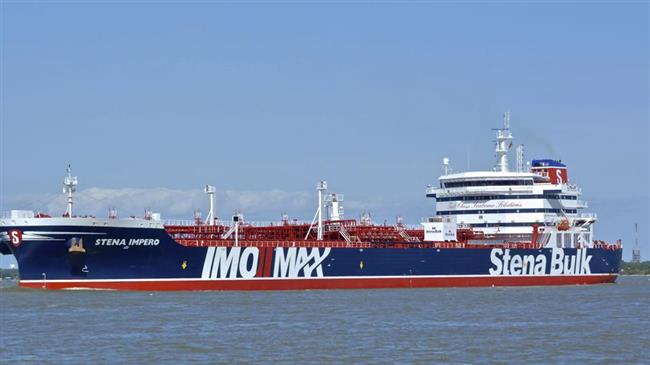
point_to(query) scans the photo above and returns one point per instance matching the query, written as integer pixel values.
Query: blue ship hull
(60, 257)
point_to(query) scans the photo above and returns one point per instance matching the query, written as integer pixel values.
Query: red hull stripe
(267, 259)
(322, 283)
(260, 262)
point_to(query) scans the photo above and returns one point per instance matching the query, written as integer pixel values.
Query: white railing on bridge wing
(431, 190)
(588, 215)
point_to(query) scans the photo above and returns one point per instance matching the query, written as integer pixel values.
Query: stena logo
(299, 262)
(230, 263)
(558, 173)
(16, 237)
(506, 264)
(577, 264)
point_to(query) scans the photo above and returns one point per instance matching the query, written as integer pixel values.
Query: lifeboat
(563, 225)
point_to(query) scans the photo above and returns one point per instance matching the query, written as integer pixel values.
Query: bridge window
(507, 197)
(460, 184)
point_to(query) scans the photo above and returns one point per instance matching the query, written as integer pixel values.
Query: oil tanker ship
(490, 228)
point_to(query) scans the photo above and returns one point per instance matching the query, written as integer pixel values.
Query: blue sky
(150, 101)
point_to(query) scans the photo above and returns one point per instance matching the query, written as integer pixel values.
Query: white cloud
(180, 204)
(172, 203)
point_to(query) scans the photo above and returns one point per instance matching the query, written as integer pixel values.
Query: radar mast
(504, 142)
(69, 187)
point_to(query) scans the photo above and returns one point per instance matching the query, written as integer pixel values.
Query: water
(600, 324)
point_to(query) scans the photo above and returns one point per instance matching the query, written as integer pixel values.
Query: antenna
(237, 219)
(636, 252)
(69, 186)
(322, 186)
(446, 169)
(504, 142)
(520, 158)
(209, 189)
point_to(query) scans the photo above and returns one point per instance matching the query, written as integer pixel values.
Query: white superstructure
(507, 205)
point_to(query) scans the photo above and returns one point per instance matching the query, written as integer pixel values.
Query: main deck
(339, 234)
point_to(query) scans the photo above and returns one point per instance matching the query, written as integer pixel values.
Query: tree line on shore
(635, 268)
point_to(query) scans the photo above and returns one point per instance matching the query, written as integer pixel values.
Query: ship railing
(436, 218)
(191, 222)
(273, 243)
(618, 244)
(272, 223)
(179, 222)
(368, 244)
(17, 214)
(588, 215)
(412, 227)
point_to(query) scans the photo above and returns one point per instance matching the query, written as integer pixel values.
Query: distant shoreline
(638, 269)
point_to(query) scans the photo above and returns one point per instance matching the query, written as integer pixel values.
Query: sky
(150, 101)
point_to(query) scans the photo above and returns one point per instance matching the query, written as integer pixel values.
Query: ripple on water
(576, 324)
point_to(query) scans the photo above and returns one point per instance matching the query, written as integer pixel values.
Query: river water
(599, 324)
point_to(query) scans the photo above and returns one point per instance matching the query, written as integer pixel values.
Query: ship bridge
(508, 203)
